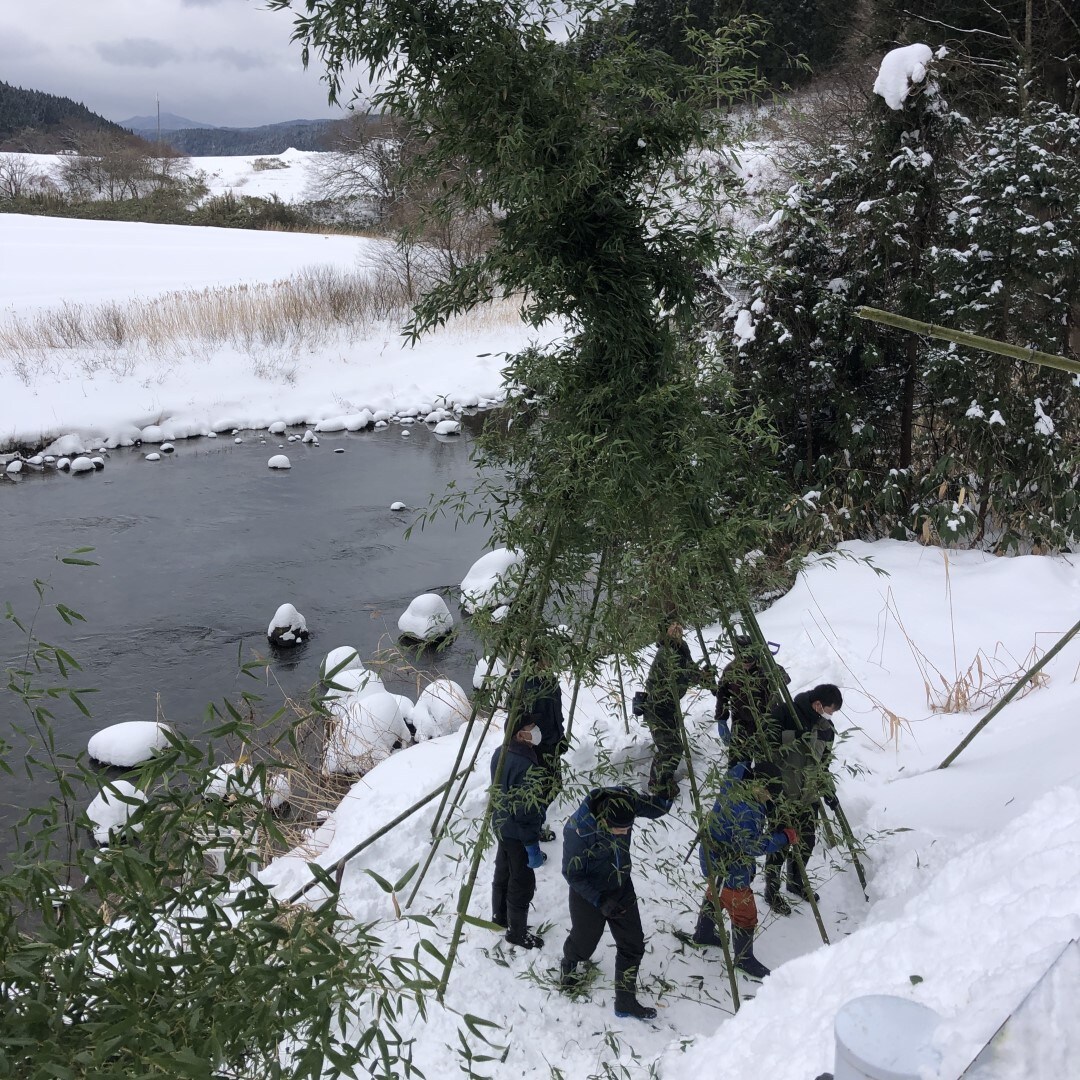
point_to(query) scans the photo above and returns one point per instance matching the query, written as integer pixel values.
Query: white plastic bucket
(880, 1037)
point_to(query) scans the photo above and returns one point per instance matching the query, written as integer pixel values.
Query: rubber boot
(774, 863)
(627, 1005)
(745, 960)
(794, 882)
(705, 931)
(524, 939)
(569, 976)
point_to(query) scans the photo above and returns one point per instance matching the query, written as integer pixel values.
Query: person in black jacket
(516, 817)
(539, 698)
(797, 763)
(672, 673)
(596, 865)
(746, 694)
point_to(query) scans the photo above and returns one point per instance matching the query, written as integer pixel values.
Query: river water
(196, 551)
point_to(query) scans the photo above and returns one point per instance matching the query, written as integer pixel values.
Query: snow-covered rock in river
(365, 730)
(287, 627)
(309, 437)
(279, 461)
(491, 580)
(481, 678)
(441, 709)
(398, 506)
(128, 743)
(448, 427)
(110, 809)
(277, 427)
(153, 457)
(427, 618)
(14, 467)
(82, 465)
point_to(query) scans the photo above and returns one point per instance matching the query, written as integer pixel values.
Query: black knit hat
(615, 808)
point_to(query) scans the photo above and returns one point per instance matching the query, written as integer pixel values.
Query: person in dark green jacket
(672, 673)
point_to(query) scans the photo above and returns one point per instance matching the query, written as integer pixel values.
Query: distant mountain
(208, 141)
(46, 123)
(169, 122)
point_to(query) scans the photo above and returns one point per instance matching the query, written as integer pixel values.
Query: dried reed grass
(303, 312)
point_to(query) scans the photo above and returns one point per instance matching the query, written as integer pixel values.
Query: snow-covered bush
(491, 580)
(272, 788)
(364, 731)
(443, 706)
(110, 809)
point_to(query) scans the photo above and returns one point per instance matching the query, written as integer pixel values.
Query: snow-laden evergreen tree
(1007, 266)
(847, 395)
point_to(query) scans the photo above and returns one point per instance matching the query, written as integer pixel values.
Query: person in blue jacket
(596, 865)
(735, 836)
(517, 814)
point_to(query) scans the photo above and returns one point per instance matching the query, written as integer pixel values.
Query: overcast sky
(224, 62)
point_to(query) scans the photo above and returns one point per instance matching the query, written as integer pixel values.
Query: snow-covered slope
(973, 871)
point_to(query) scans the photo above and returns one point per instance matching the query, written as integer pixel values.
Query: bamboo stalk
(466, 891)
(973, 341)
(808, 890)
(710, 869)
(1017, 687)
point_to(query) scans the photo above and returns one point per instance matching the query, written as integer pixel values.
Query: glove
(610, 907)
(792, 836)
(537, 858)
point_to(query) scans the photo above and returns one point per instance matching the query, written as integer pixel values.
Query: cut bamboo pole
(973, 341)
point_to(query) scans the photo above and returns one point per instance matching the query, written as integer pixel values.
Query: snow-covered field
(192, 386)
(974, 871)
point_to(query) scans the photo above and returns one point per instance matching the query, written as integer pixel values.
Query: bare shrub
(19, 178)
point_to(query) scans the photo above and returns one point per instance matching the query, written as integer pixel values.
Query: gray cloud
(16, 44)
(239, 59)
(136, 52)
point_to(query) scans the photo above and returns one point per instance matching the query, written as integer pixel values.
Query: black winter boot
(524, 940)
(569, 976)
(745, 960)
(776, 902)
(705, 931)
(627, 1004)
(795, 884)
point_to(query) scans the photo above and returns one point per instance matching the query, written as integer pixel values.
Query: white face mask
(533, 736)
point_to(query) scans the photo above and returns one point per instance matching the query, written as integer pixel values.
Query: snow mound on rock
(427, 618)
(481, 678)
(129, 743)
(356, 681)
(338, 661)
(287, 627)
(443, 706)
(233, 779)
